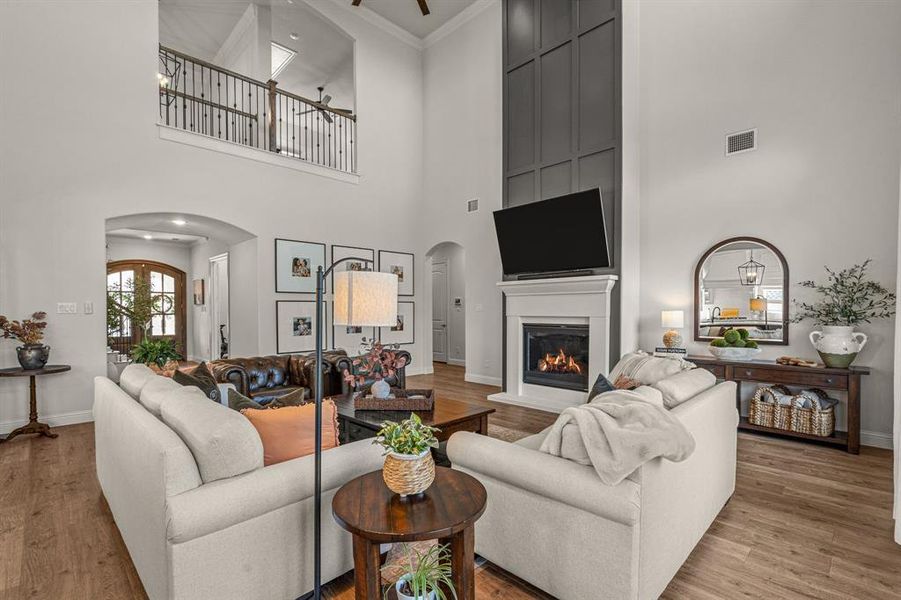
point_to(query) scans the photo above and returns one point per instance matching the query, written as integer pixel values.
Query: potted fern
(428, 574)
(848, 298)
(409, 467)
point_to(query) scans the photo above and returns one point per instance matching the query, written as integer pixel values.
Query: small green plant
(158, 352)
(734, 338)
(427, 572)
(410, 436)
(848, 297)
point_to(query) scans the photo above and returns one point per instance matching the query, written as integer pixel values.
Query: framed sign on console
(404, 332)
(400, 264)
(295, 266)
(295, 326)
(342, 252)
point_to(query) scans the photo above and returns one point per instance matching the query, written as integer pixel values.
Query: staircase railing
(203, 98)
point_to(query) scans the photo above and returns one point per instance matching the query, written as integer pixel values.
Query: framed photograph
(401, 264)
(404, 331)
(295, 326)
(198, 292)
(349, 338)
(296, 263)
(339, 252)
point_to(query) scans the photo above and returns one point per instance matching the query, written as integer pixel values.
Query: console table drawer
(719, 371)
(798, 378)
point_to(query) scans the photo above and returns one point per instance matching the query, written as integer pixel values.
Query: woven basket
(813, 421)
(765, 411)
(407, 474)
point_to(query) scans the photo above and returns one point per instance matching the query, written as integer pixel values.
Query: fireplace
(556, 356)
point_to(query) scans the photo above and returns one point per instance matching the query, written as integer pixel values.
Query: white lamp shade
(672, 319)
(365, 299)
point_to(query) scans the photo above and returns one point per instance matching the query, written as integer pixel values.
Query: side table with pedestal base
(375, 515)
(33, 425)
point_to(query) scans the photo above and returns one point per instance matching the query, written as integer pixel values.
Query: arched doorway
(150, 290)
(446, 264)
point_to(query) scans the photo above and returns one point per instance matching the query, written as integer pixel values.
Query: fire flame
(559, 363)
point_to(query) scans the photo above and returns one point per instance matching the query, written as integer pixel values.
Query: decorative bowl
(734, 353)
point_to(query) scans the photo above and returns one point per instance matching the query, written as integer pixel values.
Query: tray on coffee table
(410, 399)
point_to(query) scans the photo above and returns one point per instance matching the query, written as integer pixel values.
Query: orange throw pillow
(289, 432)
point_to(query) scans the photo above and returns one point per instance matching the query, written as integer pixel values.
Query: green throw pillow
(200, 378)
(239, 402)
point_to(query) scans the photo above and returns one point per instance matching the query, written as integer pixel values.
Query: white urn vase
(838, 345)
(380, 389)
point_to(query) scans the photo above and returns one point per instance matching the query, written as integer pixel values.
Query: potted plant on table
(32, 354)
(377, 362)
(848, 298)
(155, 353)
(409, 467)
(427, 575)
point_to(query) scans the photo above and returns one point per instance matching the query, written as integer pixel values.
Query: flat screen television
(556, 235)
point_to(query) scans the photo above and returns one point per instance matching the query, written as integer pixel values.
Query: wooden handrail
(168, 91)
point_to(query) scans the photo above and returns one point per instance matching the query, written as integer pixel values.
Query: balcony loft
(199, 97)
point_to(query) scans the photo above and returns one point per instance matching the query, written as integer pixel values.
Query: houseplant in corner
(377, 362)
(154, 353)
(32, 354)
(427, 573)
(409, 467)
(848, 298)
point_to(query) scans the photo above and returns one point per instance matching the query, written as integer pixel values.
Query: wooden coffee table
(447, 511)
(448, 415)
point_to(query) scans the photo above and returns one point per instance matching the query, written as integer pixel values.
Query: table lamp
(362, 299)
(672, 320)
(758, 304)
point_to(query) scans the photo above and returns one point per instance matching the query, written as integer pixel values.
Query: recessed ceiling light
(294, 36)
(179, 222)
(147, 236)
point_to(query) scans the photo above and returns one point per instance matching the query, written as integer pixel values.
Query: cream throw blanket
(622, 431)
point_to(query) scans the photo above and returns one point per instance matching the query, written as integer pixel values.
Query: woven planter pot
(408, 474)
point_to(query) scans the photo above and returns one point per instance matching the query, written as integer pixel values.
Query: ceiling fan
(324, 100)
(423, 6)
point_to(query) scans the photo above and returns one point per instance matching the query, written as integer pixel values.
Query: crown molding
(373, 18)
(463, 17)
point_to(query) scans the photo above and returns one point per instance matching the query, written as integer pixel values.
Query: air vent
(742, 141)
(472, 205)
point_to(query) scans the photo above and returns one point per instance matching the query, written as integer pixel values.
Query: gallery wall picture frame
(349, 338)
(295, 326)
(402, 265)
(296, 263)
(339, 252)
(199, 297)
(405, 330)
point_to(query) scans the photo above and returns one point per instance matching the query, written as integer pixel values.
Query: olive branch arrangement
(848, 297)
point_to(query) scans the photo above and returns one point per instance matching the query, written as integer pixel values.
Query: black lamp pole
(321, 274)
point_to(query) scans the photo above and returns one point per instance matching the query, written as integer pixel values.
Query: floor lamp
(361, 299)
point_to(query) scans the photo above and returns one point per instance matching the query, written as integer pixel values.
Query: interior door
(439, 311)
(219, 307)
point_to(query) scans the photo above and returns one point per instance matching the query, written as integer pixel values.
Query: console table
(33, 425)
(765, 371)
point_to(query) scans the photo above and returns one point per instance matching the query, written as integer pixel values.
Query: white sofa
(200, 514)
(553, 523)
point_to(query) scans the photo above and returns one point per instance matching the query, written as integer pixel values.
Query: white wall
(463, 161)
(821, 81)
(454, 257)
(113, 162)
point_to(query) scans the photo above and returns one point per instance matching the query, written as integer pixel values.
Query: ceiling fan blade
(424, 7)
(325, 99)
(326, 116)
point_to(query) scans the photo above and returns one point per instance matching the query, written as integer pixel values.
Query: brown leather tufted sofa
(264, 378)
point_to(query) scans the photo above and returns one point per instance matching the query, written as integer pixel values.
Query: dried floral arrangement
(28, 331)
(377, 362)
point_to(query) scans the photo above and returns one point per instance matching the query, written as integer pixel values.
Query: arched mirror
(742, 283)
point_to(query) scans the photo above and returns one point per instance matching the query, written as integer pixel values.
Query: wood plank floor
(805, 522)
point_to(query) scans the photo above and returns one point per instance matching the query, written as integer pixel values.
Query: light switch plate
(66, 308)
(89, 308)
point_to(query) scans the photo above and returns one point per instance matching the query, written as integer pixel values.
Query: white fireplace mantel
(558, 301)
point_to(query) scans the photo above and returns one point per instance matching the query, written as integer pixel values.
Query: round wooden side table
(33, 425)
(447, 511)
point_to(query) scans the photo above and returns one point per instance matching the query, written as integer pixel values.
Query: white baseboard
(876, 439)
(457, 362)
(483, 379)
(72, 418)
